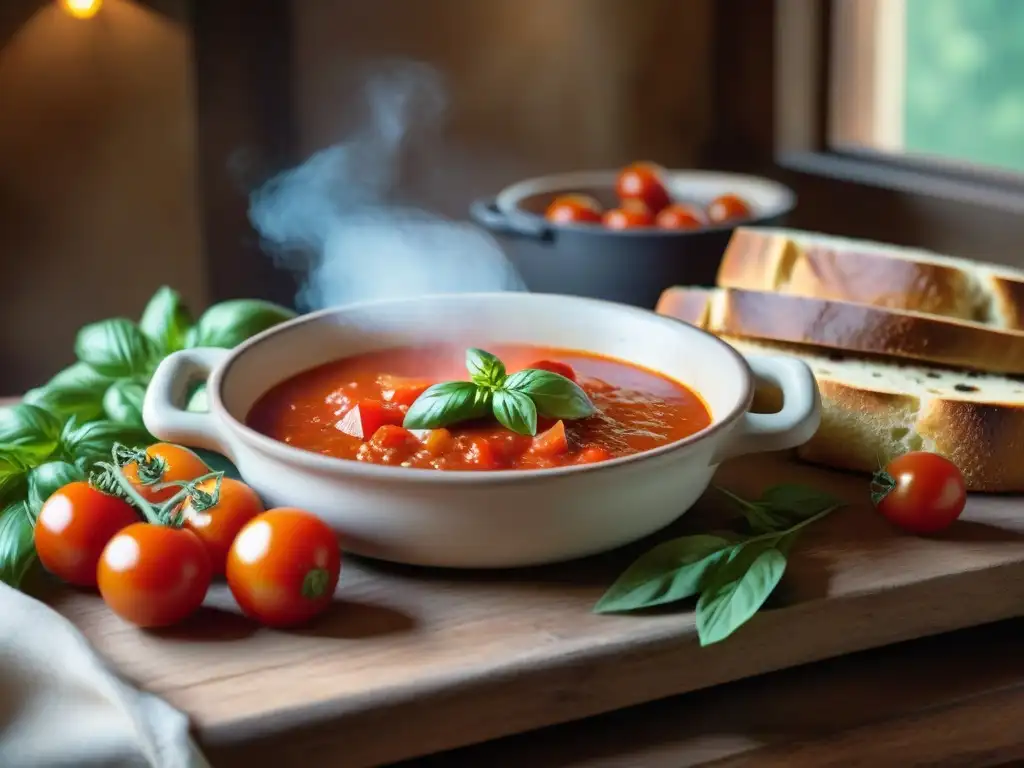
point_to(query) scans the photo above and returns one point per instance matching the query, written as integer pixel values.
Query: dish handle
(162, 412)
(486, 213)
(794, 425)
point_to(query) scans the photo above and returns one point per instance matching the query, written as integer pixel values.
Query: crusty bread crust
(866, 423)
(819, 266)
(848, 327)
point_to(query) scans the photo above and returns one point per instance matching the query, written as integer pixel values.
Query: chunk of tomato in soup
(402, 390)
(554, 366)
(367, 416)
(551, 442)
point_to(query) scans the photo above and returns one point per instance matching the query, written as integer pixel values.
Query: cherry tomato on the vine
(283, 567)
(728, 208)
(154, 575)
(216, 512)
(73, 527)
(574, 209)
(643, 182)
(632, 215)
(680, 216)
(160, 463)
(921, 492)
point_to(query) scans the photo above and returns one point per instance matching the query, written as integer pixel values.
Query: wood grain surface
(412, 661)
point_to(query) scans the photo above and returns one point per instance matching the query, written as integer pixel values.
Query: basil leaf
(673, 570)
(116, 348)
(123, 401)
(515, 411)
(786, 505)
(14, 469)
(17, 548)
(447, 403)
(218, 463)
(47, 478)
(65, 402)
(166, 320)
(79, 376)
(484, 368)
(554, 395)
(737, 588)
(93, 441)
(230, 323)
(29, 429)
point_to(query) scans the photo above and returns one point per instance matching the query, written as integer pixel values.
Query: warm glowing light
(82, 9)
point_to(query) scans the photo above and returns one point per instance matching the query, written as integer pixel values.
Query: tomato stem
(315, 583)
(150, 469)
(882, 484)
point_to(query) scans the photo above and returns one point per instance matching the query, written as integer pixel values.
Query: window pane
(964, 89)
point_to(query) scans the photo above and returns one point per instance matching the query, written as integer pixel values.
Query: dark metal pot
(628, 266)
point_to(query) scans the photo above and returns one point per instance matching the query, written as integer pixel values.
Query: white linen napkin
(62, 707)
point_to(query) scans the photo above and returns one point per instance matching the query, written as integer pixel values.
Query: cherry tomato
(574, 209)
(728, 208)
(680, 216)
(216, 515)
(73, 527)
(643, 182)
(283, 567)
(154, 575)
(161, 463)
(920, 492)
(631, 215)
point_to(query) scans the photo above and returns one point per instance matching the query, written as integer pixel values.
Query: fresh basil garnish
(485, 369)
(515, 411)
(515, 401)
(116, 348)
(91, 442)
(166, 320)
(554, 395)
(447, 403)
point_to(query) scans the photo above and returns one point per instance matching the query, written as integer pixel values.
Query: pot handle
(162, 410)
(485, 212)
(794, 425)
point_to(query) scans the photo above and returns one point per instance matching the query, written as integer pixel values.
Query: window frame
(771, 116)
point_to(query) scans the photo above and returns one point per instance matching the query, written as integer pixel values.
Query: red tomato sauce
(353, 409)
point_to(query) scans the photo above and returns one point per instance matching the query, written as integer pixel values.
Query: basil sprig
(732, 575)
(62, 429)
(515, 401)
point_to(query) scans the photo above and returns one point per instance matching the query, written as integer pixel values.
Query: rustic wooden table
(950, 700)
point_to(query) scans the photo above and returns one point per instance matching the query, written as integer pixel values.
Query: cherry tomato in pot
(160, 463)
(215, 511)
(920, 492)
(632, 215)
(643, 182)
(680, 216)
(728, 208)
(574, 209)
(154, 575)
(283, 567)
(73, 527)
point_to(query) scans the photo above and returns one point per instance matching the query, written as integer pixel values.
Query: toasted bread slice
(840, 269)
(874, 410)
(847, 327)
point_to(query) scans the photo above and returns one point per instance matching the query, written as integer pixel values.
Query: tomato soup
(354, 408)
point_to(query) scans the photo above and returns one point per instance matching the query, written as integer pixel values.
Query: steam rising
(336, 216)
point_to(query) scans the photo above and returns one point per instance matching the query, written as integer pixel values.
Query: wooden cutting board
(413, 661)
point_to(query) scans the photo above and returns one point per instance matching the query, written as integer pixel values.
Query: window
(929, 80)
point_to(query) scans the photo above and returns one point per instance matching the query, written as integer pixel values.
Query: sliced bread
(848, 327)
(874, 410)
(860, 271)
